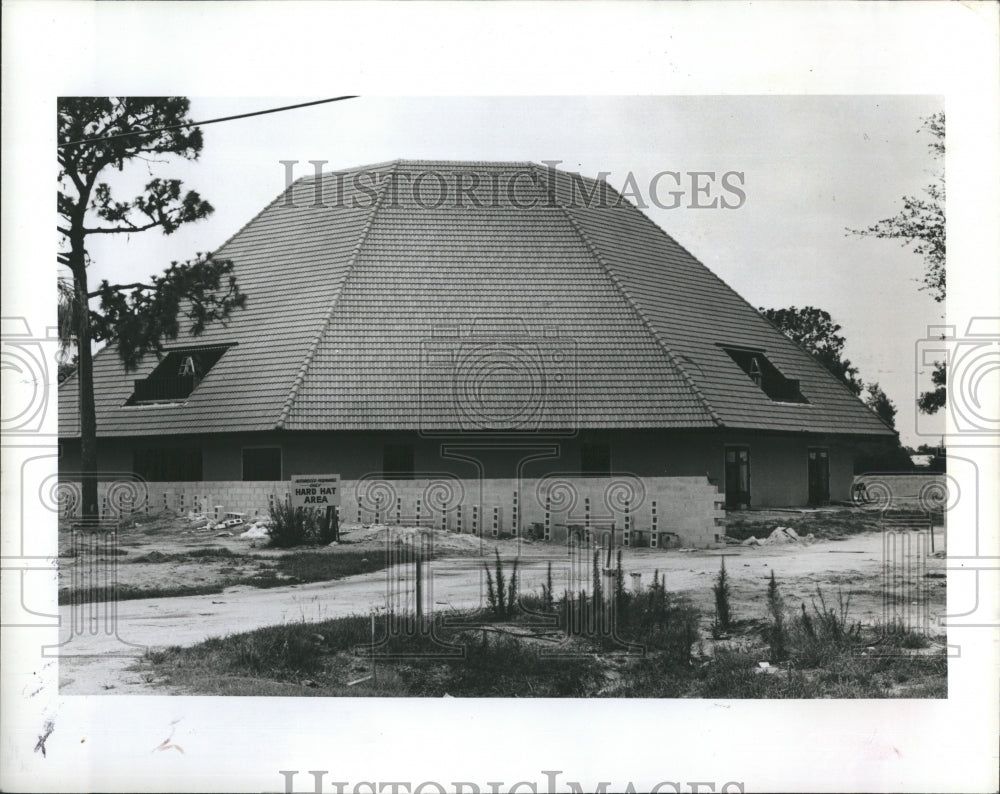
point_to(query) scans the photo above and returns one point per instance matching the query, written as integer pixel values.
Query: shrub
(535, 531)
(292, 526)
(329, 528)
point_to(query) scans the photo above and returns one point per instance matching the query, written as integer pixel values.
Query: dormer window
(177, 375)
(767, 377)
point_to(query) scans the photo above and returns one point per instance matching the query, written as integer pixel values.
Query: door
(737, 477)
(819, 476)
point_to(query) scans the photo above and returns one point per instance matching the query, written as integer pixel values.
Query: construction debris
(779, 536)
(255, 532)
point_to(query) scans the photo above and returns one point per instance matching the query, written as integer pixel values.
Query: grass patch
(824, 525)
(321, 658)
(211, 552)
(304, 566)
(86, 595)
(858, 674)
(609, 642)
(301, 567)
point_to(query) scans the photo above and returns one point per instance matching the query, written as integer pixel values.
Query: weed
(548, 602)
(897, 634)
(722, 607)
(825, 634)
(620, 587)
(501, 594)
(777, 634)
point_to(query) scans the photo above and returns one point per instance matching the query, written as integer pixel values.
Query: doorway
(819, 476)
(737, 478)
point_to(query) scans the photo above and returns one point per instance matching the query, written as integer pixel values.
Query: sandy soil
(100, 647)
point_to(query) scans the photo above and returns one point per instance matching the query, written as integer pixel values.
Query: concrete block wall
(643, 511)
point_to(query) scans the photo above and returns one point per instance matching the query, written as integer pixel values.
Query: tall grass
(817, 637)
(650, 619)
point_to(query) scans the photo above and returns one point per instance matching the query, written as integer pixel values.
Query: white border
(297, 49)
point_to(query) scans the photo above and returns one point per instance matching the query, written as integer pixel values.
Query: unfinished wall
(778, 461)
(927, 491)
(657, 511)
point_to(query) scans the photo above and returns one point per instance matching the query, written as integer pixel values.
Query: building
(485, 320)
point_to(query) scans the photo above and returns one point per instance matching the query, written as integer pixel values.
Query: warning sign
(315, 490)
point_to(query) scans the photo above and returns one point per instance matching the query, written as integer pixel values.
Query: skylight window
(177, 375)
(766, 376)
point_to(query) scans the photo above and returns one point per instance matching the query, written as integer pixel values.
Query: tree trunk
(85, 384)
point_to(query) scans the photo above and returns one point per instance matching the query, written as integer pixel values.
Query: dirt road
(95, 657)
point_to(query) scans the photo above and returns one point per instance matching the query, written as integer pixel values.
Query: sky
(812, 166)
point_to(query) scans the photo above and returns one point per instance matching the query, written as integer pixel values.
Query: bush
(329, 529)
(292, 526)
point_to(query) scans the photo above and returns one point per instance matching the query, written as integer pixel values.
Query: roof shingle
(392, 309)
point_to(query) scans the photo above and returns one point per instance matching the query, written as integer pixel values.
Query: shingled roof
(391, 300)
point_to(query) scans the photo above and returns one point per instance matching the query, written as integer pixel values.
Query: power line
(210, 121)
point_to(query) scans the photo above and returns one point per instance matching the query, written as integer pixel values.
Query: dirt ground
(99, 648)
(171, 552)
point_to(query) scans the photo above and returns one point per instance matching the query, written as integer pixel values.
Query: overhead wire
(209, 121)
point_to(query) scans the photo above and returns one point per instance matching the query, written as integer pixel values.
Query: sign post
(319, 492)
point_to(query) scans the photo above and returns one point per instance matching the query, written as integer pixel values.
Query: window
(168, 464)
(187, 366)
(177, 375)
(766, 376)
(397, 461)
(261, 463)
(595, 458)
